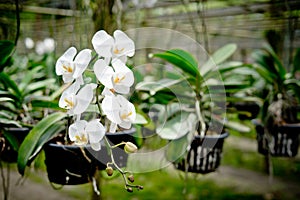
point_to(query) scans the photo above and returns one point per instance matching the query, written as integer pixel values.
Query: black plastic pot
(72, 165)
(69, 164)
(7, 151)
(120, 156)
(205, 154)
(283, 141)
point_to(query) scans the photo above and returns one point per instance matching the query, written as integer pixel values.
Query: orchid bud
(131, 178)
(109, 171)
(129, 189)
(130, 147)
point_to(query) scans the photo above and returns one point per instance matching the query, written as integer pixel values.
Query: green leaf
(280, 69)
(154, 87)
(32, 140)
(8, 83)
(6, 50)
(182, 59)
(218, 57)
(177, 126)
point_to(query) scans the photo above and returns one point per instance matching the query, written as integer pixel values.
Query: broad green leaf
(177, 126)
(31, 141)
(281, 72)
(182, 59)
(154, 87)
(49, 134)
(6, 50)
(218, 57)
(45, 104)
(10, 84)
(36, 86)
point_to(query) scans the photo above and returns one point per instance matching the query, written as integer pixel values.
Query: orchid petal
(77, 132)
(65, 59)
(125, 125)
(96, 146)
(81, 62)
(123, 71)
(122, 89)
(102, 43)
(69, 95)
(111, 109)
(103, 73)
(123, 44)
(107, 91)
(95, 130)
(112, 127)
(84, 98)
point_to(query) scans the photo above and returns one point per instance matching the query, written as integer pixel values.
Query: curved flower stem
(122, 172)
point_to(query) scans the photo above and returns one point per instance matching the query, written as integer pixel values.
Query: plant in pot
(278, 125)
(195, 106)
(25, 89)
(96, 128)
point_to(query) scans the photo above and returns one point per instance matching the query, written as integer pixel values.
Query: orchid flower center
(118, 51)
(126, 115)
(118, 79)
(81, 139)
(68, 68)
(70, 103)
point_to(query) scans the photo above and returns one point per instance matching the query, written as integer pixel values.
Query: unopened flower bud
(130, 147)
(109, 171)
(129, 189)
(140, 187)
(131, 178)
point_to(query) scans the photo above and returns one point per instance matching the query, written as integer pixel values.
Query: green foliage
(279, 84)
(37, 137)
(6, 50)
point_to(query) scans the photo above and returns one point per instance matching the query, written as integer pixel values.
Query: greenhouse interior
(149, 99)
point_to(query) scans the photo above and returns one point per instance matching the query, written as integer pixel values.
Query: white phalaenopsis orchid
(119, 111)
(77, 102)
(120, 46)
(81, 132)
(71, 68)
(119, 78)
(109, 70)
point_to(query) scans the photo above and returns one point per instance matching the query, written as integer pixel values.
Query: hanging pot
(282, 141)
(13, 134)
(68, 164)
(204, 155)
(73, 165)
(102, 157)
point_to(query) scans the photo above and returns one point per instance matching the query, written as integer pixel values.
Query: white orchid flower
(119, 111)
(119, 78)
(71, 68)
(82, 132)
(120, 46)
(77, 102)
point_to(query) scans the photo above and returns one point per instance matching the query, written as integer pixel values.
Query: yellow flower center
(124, 116)
(119, 79)
(118, 51)
(70, 103)
(68, 68)
(81, 139)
